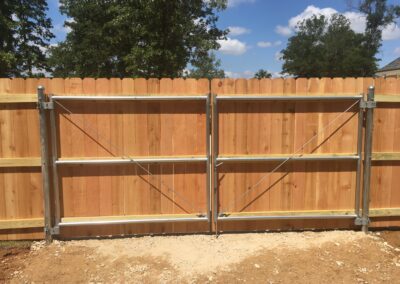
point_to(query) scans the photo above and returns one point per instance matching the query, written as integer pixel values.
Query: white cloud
(250, 74)
(357, 22)
(277, 74)
(232, 46)
(285, 31)
(308, 13)
(236, 31)
(244, 74)
(234, 3)
(61, 29)
(391, 32)
(14, 17)
(264, 44)
(278, 56)
(397, 51)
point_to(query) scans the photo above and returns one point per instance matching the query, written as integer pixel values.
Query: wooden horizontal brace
(129, 160)
(19, 162)
(291, 94)
(128, 95)
(386, 156)
(133, 219)
(290, 213)
(384, 212)
(387, 98)
(21, 223)
(18, 98)
(125, 217)
(283, 157)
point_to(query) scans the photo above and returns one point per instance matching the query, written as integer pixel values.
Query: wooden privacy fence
(134, 156)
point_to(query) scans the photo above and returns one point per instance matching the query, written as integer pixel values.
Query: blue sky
(260, 29)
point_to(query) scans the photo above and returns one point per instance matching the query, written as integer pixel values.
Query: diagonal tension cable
(250, 188)
(127, 157)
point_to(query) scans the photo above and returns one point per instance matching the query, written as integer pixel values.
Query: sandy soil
(325, 257)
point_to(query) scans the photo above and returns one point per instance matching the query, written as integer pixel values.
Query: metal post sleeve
(367, 157)
(44, 144)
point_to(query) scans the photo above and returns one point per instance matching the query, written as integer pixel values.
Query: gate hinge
(367, 104)
(46, 105)
(360, 221)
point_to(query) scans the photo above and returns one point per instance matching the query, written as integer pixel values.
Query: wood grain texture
(140, 129)
(19, 162)
(385, 176)
(133, 129)
(283, 127)
(17, 98)
(20, 187)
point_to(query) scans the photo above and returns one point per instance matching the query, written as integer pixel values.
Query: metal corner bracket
(367, 104)
(46, 105)
(360, 221)
(53, 231)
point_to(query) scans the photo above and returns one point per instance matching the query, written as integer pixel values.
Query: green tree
(7, 58)
(32, 35)
(207, 67)
(262, 74)
(328, 48)
(141, 38)
(379, 14)
(25, 34)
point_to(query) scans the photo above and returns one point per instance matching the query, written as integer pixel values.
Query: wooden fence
(131, 130)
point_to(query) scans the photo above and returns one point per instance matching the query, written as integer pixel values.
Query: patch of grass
(15, 244)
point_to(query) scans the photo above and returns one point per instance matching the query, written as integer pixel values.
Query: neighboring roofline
(389, 68)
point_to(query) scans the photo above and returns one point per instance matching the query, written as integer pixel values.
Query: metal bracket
(359, 221)
(46, 105)
(367, 104)
(53, 231)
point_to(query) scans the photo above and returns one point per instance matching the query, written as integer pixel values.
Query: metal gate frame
(53, 220)
(359, 218)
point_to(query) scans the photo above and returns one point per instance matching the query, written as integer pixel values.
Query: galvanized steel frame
(217, 160)
(52, 212)
(212, 159)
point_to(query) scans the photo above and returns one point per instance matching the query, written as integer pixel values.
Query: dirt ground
(307, 257)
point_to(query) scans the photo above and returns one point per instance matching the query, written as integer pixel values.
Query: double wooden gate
(171, 181)
(136, 156)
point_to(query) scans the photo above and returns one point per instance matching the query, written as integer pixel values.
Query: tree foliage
(262, 74)
(379, 14)
(328, 48)
(207, 66)
(25, 32)
(140, 38)
(7, 58)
